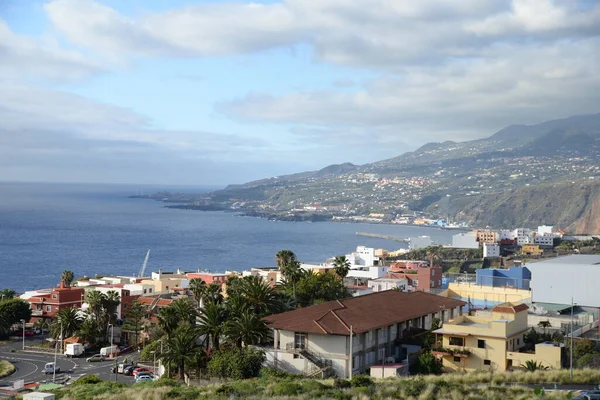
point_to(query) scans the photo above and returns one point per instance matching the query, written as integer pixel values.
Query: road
(30, 366)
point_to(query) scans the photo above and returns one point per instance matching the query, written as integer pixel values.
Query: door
(300, 340)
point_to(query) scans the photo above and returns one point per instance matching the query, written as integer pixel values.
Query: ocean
(95, 229)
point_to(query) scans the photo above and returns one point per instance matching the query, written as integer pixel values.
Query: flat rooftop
(573, 259)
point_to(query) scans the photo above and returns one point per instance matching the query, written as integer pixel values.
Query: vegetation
(133, 321)
(6, 368)
(12, 311)
(7, 294)
(532, 366)
(341, 266)
(469, 386)
(67, 277)
(236, 363)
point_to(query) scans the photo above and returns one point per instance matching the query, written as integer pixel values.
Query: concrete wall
(489, 293)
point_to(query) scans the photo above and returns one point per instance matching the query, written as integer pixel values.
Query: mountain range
(522, 175)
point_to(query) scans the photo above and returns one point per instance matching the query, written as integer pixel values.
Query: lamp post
(55, 354)
(23, 322)
(112, 336)
(571, 351)
(154, 363)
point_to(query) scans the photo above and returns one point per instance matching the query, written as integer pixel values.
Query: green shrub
(341, 383)
(287, 388)
(310, 385)
(166, 381)
(363, 390)
(276, 373)
(225, 390)
(236, 363)
(146, 354)
(89, 379)
(361, 381)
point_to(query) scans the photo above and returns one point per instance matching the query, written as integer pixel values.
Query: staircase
(154, 303)
(322, 367)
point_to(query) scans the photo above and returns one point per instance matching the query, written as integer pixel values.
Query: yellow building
(532, 249)
(492, 343)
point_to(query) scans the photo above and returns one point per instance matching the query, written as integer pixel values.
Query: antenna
(143, 269)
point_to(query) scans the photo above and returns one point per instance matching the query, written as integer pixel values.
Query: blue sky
(211, 93)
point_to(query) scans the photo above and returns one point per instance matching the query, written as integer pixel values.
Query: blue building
(517, 277)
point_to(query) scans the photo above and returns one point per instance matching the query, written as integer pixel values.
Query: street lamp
(154, 363)
(56, 353)
(23, 322)
(571, 351)
(112, 336)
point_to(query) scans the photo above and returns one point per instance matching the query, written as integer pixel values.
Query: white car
(50, 368)
(144, 378)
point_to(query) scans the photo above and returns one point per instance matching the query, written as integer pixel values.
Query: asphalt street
(30, 365)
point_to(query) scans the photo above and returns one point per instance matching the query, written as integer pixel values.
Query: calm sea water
(96, 229)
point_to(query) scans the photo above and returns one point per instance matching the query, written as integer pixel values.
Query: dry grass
(6, 368)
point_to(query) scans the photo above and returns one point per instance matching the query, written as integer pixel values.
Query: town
(493, 300)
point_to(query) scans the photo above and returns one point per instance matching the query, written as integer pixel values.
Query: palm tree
(211, 323)
(544, 325)
(67, 322)
(260, 297)
(433, 255)
(182, 348)
(110, 303)
(284, 257)
(246, 329)
(185, 310)
(213, 294)
(7, 294)
(88, 331)
(168, 320)
(198, 288)
(67, 277)
(292, 273)
(94, 300)
(42, 324)
(533, 366)
(341, 266)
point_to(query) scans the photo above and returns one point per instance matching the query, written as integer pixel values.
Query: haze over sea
(96, 229)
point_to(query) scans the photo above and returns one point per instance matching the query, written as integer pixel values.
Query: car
(129, 370)
(145, 378)
(29, 333)
(50, 368)
(141, 374)
(589, 395)
(141, 369)
(95, 357)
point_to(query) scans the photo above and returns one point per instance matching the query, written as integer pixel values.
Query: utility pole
(23, 322)
(351, 354)
(56, 353)
(571, 351)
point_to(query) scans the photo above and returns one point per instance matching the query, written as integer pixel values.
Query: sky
(213, 93)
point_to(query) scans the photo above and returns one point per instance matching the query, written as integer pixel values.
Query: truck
(107, 351)
(74, 350)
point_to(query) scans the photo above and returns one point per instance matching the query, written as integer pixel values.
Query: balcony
(37, 313)
(450, 352)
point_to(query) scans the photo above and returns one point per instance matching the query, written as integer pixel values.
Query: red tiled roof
(150, 300)
(363, 313)
(510, 308)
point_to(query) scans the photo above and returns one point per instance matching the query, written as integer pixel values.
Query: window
(457, 341)
(518, 342)
(481, 344)
(54, 296)
(487, 362)
(48, 308)
(299, 340)
(145, 291)
(456, 359)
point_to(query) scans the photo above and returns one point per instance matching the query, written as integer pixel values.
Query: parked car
(29, 333)
(95, 358)
(141, 369)
(142, 374)
(129, 370)
(50, 368)
(145, 378)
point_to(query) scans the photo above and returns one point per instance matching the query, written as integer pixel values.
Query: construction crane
(143, 269)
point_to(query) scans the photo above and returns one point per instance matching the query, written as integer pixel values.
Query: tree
(292, 273)
(67, 277)
(236, 363)
(284, 257)
(94, 299)
(185, 310)
(168, 320)
(428, 364)
(198, 288)
(248, 328)
(260, 297)
(433, 255)
(133, 319)
(583, 347)
(182, 349)
(88, 331)
(213, 294)
(544, 325)
(531, 338)
(67, 321)
(212, 318)
(7, 294)
(532, 366)
(341, 266)
(42, 324)
(11, 312)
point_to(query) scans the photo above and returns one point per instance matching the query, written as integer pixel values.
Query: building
(516, 277)
(165, 282)
(419, 274)
(493, 343)
(531, 250)
(419, 242)
(345, 337)
(486, 236)
(125, 296)
(372, 272)
(381, 284)
(465, 241)
(561, 280)
(544, 230)
(522, 235)
(546, 240)
(270, 275)
(491, 250)
(363, 256)
(209, 277)
(47, 304)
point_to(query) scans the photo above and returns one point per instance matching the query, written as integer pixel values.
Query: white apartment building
(546, 240)
(465, 241)
(545, 230)
(345, 337)
(381, 284)
(364, 256)
(522, 235)
(372, 272)
(491, 250)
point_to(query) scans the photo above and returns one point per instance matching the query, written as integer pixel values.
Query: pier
(379, 236)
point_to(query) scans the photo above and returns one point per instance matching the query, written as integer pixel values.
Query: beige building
(492, 342)
(165, 282)
(348, 336)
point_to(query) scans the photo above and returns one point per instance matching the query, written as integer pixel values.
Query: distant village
(495, 319)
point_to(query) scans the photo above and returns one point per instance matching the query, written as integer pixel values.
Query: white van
(74, 350)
